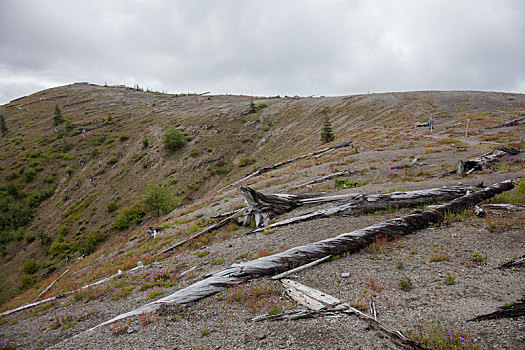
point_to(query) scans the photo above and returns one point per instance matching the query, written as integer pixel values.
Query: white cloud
(263, 47)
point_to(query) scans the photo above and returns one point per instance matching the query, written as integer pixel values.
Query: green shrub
(111, 207)
(112, 160)
(134, 214)
(159, 199)
(222, 170)
(145, 142)
(173, 139)
(245, 162)
(30, 267)
(91, 242)
(26, 282)
(123, 137)
(29, 174)
(405, 284)
(12, 175)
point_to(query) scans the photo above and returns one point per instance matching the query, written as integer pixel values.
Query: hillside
(72, 181)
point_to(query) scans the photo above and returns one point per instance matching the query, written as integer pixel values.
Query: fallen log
(261, 207)
(484, 161)
(515, 309)
(518, 262)
(509, 123)
(275, 166)
(60, 296)
(346, 242)
(198, 234)
(321, 303)
(361, 203)
(325, 178)
(51, 285)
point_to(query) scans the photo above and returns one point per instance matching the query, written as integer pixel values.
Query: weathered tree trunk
(327, 177)
(518, 262)
(263, 207)
(346, 242)
(485, 160)
(275, 166)
(509, 123)
(516, 309)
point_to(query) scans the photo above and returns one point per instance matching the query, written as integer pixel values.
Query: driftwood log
(322, 304)
(347, 242)
(278, 165)
(515, 309)
(264, 207)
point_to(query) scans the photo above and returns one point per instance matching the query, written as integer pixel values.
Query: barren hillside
(73, 181)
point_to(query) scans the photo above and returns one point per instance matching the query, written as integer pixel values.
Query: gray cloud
(263, 47)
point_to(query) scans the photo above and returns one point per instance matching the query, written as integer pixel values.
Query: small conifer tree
(327, 134)
(3, 125)
(57, 118)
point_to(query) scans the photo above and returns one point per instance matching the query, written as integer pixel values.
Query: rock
(130, 330)
(345, 274)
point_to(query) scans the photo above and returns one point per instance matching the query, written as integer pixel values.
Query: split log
(518, 262)
(363, 203)
(346, 242)
(320, 303)
(325, 178)
(516, 309)
(262, 207)
(275, 166)
(509, 123)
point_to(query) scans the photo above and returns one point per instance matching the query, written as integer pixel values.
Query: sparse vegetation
(405, 284)
(3, 125)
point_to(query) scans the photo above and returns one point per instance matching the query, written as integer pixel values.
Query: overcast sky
(263, 47)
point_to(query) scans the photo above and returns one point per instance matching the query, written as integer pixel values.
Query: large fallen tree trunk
(263, 207)
(275, 166)
(515, 309)
(346, 242)
(484, 161)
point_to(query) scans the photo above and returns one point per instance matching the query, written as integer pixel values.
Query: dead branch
(261, 207)
(300, 268)
(275, 166)
(325, 178)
